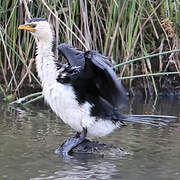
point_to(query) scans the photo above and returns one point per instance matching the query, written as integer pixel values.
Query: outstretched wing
(95, 76)
(98, 68)
(74, 57)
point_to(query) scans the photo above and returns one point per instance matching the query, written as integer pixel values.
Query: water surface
(29, 136)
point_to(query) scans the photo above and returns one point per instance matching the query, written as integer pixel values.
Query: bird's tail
(154, 120)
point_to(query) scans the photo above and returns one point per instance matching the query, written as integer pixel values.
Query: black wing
(95, 77)
(99, 70)
(74, 57)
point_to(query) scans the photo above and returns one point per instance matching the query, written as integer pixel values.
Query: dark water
(28, 138)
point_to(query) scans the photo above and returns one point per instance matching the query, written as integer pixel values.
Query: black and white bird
(85, 93)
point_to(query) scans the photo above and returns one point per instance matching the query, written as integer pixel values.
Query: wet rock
(97, 148)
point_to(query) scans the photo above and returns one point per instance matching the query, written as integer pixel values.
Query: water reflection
(29, 136)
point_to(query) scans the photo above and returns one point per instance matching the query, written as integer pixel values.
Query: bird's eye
(33, 25)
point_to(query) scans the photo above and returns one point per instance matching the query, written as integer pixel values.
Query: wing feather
(96, 77)
(106, 80)
(74, 57)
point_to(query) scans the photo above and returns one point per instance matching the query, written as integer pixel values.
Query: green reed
(125, 30)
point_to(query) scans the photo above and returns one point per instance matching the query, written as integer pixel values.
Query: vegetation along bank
(142, 37)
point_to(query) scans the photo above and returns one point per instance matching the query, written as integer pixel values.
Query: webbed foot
(72, 142)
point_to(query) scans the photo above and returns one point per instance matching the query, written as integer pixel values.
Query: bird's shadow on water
(88, 166)
(92, 165)
(80, 157)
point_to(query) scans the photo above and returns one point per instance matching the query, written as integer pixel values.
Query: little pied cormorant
(85, 93)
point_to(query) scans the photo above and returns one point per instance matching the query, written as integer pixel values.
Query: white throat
(45, 60)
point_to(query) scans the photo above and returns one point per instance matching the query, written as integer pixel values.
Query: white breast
(61, 99)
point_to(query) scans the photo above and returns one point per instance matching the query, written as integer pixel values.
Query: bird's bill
(27, 28)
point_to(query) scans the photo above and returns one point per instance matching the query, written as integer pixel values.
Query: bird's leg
(72, 142)
(77, 135)
(59, 150)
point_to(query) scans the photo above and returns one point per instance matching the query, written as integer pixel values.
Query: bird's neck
(45, 61)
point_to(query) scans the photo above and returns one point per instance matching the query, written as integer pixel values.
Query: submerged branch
(37, 96)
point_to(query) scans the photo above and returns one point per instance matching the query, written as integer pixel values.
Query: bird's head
(39, 27)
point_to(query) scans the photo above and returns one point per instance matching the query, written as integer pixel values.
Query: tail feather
(153, 120)
(154, 116)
